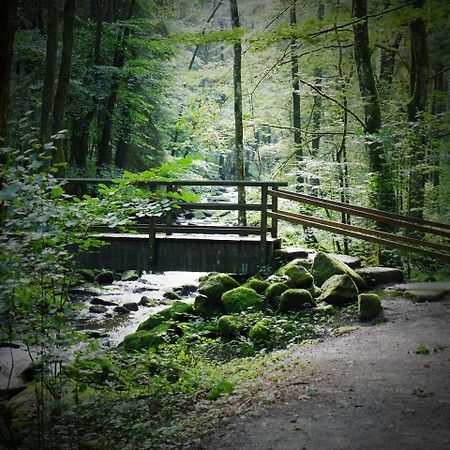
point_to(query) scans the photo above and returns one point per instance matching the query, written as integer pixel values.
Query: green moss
(294, 300)
(325, 266)
(299, 277)
(216, 285)
(258, 285)
(105, 277)
(339, 290)
(179, 312)
(143, 340)
(230, 327)
(130, 275)
(369, 306)
(206, 307)
(273, 292)
(241, 299)
(87, 274)
(261, 333)
(315, 291)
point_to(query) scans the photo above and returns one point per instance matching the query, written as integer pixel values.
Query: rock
(179, 311)
(261, 333)
(187, 289)
(425, 295)
(217, 285)
(105, 277)
(241, 299)
(374, 276)
(131, 306)
(284, 255)
(100, 301)
(325, 266)
(144, 340)
(315, 291)
(31, 371)
(258, 285)
(369, 306)
(87, 274)
(146, 301)
(140, 290)
(230, 327)
(339, 290)
(294, 300)
(206, 307)
(121, 310)
(171, 295)
(130, 275)
(95, 334)
(325, 309)
(299, 277)
(273, 293)
(98, 309)
(425, 286)
(352, 261)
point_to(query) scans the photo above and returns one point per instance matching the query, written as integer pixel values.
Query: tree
(59, 106)
(238, 129)
(382, 194)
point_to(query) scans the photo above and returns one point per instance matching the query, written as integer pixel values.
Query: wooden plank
(274, 208)
(263, 248)
(349, 210)
(222, 206)
(152, 242)
(187, 229)
(357, 235)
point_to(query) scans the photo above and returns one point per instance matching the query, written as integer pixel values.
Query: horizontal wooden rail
(335, 227)
(185, 229)
(375, 215)
(223, 206)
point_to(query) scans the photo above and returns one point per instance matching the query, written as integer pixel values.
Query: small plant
(422, 349)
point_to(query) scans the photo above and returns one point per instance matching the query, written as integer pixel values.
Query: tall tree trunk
(8, 10)
(416, 106)
(62, 89)
(104, 156)
(296, 105)
(382, 194)
(50, 70)
(238, 129)
(387, 66)
(123, 145)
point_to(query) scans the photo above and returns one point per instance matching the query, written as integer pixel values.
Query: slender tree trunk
(387, 66)
(123, 145)
(416, 106)
(382, 195)
(8, 10)
(62, 89)
(238, 129)
(104, 156)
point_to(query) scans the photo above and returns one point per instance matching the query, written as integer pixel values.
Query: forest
(346, 100)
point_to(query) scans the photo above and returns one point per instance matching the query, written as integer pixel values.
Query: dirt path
(364, 390)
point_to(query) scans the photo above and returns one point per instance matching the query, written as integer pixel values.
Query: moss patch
(216, 285)
(369, 306)
(230, 327)
(206, 307)
(294, 300)
(241, 299)
(339, 290)
(258, 285)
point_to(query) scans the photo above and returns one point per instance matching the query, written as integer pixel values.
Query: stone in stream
(131, 306)
(141, 290)
(100, 301)
(98, 309)
(375, 276)
(146, 301)
(171, 295)
(121, 310)
(130, 275)
(339, 290)
(186, 289)
(105, 277)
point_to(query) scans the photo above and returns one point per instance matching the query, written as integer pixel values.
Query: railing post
(263, 247)
(152, 242)
(274, 209)
(169, 215)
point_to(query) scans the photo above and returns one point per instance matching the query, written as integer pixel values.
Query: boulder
(100, 301)
(323, 308)
(98, 309)
(369, 306)
(284, 255)
(87, 274)
(258, 285)
(352, 261)
(121, 310)
(325, 266)
(230, 327)
(146, 301)
(374, 276)
(171, 295)
(261, 333)
(273, 293)
(131, 306)
(187, 289)
(144, 340)
(216, 285)
(339, 290)
(130, 275)
(425, 295)
(206, 307)
(105, 277)
(296, 270)
(315, 291)
(179, 312)
(294, 300)
(241, 299)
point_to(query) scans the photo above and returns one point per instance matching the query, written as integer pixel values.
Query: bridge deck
(193, 252)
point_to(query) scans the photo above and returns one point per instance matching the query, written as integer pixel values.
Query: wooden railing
(384, 238)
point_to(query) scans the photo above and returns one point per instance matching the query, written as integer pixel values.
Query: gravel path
(364, 390)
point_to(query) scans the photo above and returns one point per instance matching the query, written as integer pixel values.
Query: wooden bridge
(244, 249)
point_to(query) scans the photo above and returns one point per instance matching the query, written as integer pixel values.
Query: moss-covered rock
(130, 275)
(230, 327)
(144, 340)
(258, 285)
(325, 266)
(241, 299)
(298, 275)
(325, 309)
(339, 290)
(105, 277)
(375, 276)
(294, 300)
(179, 312)
(261, 333)
(206, 307)
(369, 306)
(216, 285)
(273, 293)
(315, 291)
(147, 301)
(425, 295)
(98, 309)
(171, 295)
(87, 274)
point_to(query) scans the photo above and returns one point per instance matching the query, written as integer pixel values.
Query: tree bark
(62, 89)
(8, 10)
(50, 70)
(382, 193)
(416, 106)
(387, 67)
(238, 128)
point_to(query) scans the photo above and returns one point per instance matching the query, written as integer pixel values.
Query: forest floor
(383, 386)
